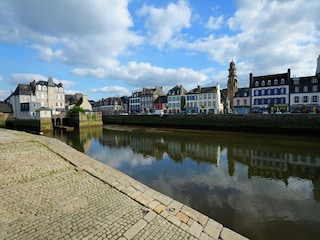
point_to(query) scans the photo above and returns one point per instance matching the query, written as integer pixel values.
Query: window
(296, 89)
(209, 95)
(24, 107)
(263, 83)
(314, 80)
(282, 81)
(296, 99)
(305, 88)
(305, 98)
(209, 104)
(245, 94)
(257, 84)
(269, 82)
(314, 88)
(296, 81)
(245, 101)
(276, 82)
(314, 98)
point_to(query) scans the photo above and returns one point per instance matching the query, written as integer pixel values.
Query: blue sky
(114, 47)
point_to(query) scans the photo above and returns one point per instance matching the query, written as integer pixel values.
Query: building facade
(305, 94)
(134, 103)
(37, 99)
(147, 98)
(204, 100)
(241, 101)
(270, 92)
(176, 99)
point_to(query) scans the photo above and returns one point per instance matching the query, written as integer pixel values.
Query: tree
(77, 109)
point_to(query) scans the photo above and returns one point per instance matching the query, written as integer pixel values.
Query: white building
(176, 99)
(270, 92)
(37, 99)
(204, 100)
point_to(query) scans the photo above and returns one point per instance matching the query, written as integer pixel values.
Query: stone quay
(49, 190)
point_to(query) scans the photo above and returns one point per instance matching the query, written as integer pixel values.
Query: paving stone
(153, 204)
(129, 234)
(160, 208)
(227, 234)
(150, 216)
(213, 228)
(195, 229)
(174, 220)
(184, 218)
(51, 191)
(174, 207)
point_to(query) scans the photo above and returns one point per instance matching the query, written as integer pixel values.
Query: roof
(162, 99)
(23, 89)
(5, 108)
(241, 92)
(200, 89)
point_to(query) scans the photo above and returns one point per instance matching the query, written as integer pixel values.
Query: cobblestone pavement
(48, 190)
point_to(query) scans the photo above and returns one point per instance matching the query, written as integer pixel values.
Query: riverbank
(300, 124)
(50, 190)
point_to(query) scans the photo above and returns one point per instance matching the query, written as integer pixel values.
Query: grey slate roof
(5, 108)
(23, 89)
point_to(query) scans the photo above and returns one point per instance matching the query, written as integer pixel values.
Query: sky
(111, 48)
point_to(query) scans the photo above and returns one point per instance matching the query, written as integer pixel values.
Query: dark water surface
(262, 186)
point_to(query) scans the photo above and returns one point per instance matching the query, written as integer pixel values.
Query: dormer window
(263, 83)
(275, 82)
(257, 84)
(269, 82)
(282, 80)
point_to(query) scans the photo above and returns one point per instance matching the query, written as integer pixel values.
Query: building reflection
(262, 161)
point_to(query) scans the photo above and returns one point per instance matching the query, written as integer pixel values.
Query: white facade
(204, 100)
(28, 98)
(305, 94)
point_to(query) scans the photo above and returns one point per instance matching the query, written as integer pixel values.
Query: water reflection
(264, 187)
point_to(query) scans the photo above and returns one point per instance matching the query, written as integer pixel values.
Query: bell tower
(232, 82)
(318, 66)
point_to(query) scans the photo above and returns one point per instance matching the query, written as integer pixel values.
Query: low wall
(86, 119)
(282, 124)
(4, 117)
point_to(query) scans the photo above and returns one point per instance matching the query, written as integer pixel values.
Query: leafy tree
(77, 109)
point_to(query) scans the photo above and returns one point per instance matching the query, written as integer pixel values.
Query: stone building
(232, 85)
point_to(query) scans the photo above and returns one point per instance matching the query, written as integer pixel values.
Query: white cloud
(266, 37)
(215, 23)
(163, 24)
(115, 91)
(145, 74)
(26, 78)
(90, 33)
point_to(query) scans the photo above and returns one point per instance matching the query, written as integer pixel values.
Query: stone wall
(4, 117)
(86, 119)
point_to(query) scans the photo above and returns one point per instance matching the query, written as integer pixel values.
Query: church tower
(318, 66)
(232, 82)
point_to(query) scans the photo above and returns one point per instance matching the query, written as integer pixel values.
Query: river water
(262, 186)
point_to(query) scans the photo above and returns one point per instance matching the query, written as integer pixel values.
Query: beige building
(37, 99)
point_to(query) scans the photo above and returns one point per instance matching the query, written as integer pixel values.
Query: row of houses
(275, 93)
(269, 93)
(153, 100)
